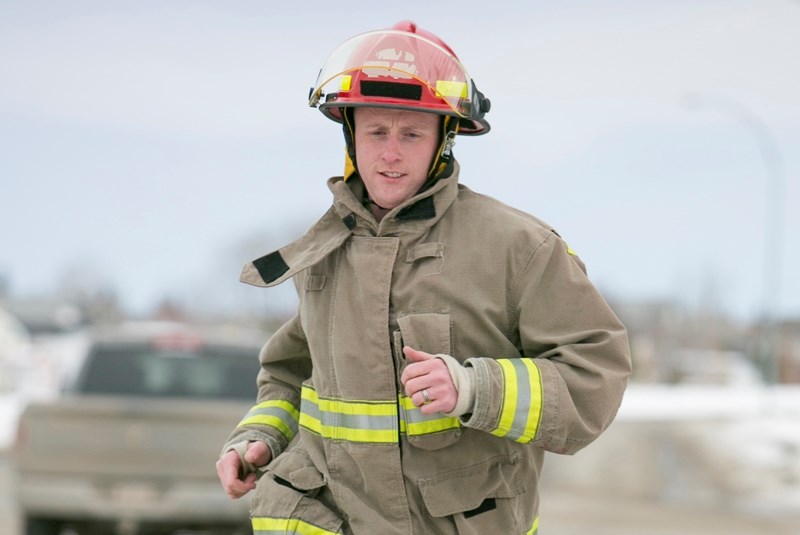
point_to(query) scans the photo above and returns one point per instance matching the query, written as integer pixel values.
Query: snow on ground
(648, 402)
(745, 438)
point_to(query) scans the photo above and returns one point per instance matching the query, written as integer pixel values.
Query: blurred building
(671, 344)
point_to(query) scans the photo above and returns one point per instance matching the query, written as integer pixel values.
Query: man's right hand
(229, 469)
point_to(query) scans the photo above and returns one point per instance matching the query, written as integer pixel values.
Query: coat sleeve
(285, 364)
(568, 385)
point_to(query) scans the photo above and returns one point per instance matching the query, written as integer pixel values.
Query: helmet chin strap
(442, 164)
(349, 129)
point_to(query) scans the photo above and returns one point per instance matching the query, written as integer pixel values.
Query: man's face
(394, 149)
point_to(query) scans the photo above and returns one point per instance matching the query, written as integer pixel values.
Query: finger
(418, 398)
(258, 453)
(431, 373)
(239, 487)
(412, 371)
(228, 467)
(418, 369)
(442, 400)
(228, 472)
(415, 355)
(443, 405)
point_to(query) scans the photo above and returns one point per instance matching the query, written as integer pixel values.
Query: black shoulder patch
(349, 221)
(271, 266)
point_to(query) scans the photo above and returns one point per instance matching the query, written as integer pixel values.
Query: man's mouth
(392, 174)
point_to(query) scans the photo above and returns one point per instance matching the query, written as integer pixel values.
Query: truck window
(144, 371)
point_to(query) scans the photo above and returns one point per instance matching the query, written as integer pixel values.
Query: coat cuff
(462, 378)
(482, 382)
(252, 436)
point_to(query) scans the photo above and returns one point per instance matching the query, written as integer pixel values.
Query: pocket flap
(425, 250)
(429, 332)
(314, 283)
(466, 489)
(297, 469)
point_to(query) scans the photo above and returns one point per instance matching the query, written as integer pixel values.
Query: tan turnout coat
(449, 271)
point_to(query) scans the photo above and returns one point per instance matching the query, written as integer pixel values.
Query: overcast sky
(153, 147)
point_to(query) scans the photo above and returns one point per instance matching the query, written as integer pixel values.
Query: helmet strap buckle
(447, 146)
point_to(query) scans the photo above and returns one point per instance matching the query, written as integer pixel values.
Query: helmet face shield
(399, 69)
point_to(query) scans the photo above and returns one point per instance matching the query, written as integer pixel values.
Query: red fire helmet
(404, 67)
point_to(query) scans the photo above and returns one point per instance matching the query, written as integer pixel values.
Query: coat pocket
(428, 257)
(481, 498)
(293, 498)
(296, 468)
(429, 332)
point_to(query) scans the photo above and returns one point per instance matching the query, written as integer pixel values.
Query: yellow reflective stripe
(310, 423)
(433, 426)
(522, 400)
(535, 528)
(406, 402)
(386, 436)
(346, 82)
(509, 399)
(570, 251)
(309, 415)
(448, 88)
(276, 413)
(276, 526)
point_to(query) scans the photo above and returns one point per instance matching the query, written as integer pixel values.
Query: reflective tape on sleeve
(522, 400)
(279, 414)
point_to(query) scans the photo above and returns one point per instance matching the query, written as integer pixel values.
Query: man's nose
(391, 152)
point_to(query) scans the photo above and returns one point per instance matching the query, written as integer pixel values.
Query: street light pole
(773, 243)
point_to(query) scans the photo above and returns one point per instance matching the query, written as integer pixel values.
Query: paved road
(576, 513)
(8, 511)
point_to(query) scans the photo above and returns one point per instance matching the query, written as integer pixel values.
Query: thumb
(255, 453)
(414, 355)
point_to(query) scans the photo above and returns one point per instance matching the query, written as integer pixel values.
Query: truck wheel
(41, 526)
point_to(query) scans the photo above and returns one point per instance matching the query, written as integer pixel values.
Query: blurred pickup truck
(131, 445)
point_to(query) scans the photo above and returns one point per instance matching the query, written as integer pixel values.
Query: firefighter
(443, 340)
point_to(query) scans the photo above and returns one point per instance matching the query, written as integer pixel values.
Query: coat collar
(346, 216)
(425, 208)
